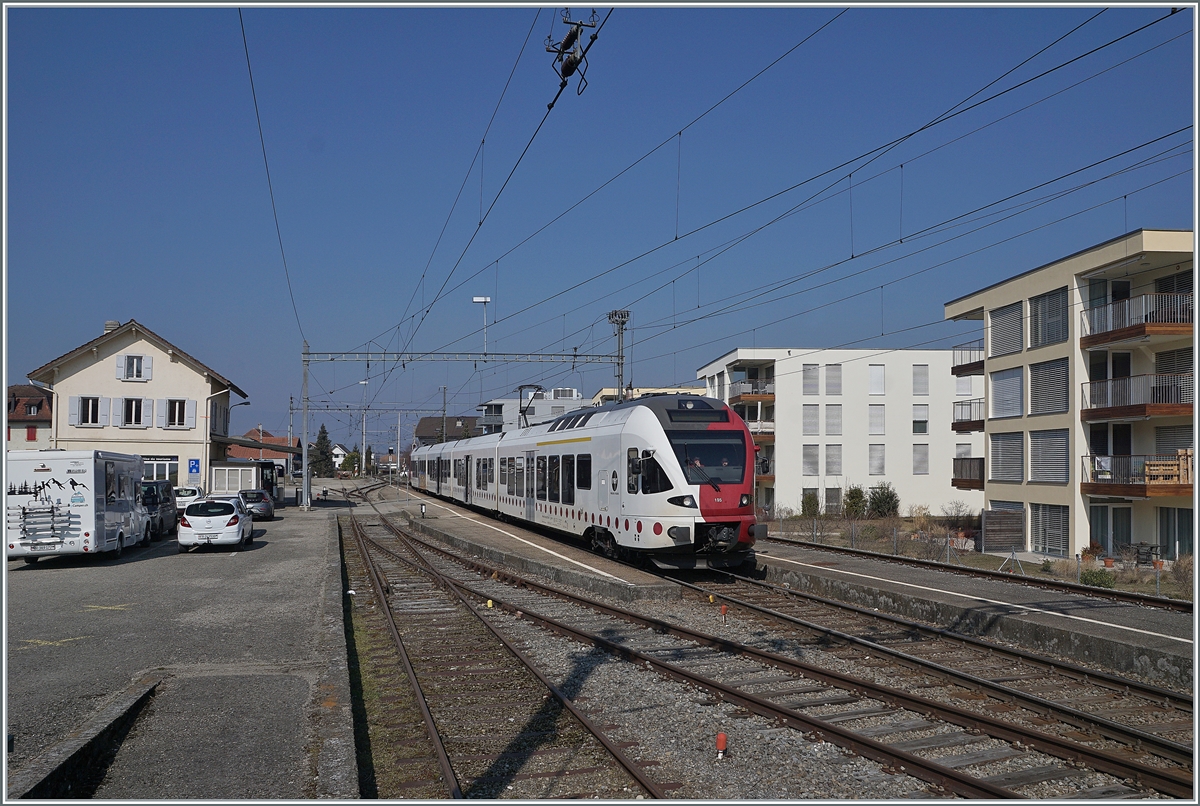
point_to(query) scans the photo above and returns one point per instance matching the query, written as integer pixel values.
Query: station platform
(1151, 643)
(522, 550)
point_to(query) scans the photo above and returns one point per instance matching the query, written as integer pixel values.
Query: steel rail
(380, 590)
(1175, 783)
(1128, 597)
(451, 586)
(1156, 745)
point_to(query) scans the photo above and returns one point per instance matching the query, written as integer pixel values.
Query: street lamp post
(485, 301)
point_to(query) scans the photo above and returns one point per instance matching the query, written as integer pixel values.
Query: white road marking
(988, 601)
(531, 543)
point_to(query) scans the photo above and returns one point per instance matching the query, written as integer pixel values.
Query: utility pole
(306, 481)
(443, 414)
(260, 449)
(290, 461)
(619, 319)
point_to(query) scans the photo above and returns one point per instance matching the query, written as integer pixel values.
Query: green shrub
(855, 505)
(1097, 578)
(883, 501)
(810, 505)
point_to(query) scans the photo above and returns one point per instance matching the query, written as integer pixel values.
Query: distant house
(285, 461)
(30, 413)
(130, 390)
(429, 429)
(337, 450)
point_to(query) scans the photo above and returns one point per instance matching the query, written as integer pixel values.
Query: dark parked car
(158, 497)
(258, 503)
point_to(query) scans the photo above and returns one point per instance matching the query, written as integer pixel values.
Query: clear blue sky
(136, 186)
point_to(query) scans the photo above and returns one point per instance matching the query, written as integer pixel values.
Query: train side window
(631, 470)
(503, 471)
(568, 480)
(583, 471)
(516, 477)
(654, 480)
(552, 485)
(541, 478)
(491, 463)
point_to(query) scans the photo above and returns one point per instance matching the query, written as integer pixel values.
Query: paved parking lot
(255, 700)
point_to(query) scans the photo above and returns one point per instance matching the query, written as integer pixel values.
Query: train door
(530, 486)
(466, 479)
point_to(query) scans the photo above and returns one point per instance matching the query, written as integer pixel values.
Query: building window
(811, 459)
(1170, 439)
(1008, 456)
(920, 418)
(1048, 457)
(877, 377)
(812, 381)
(833, 420)
(833, 379)
(833, 460)
(31, 433)
(1006, 330)
(812, 420)
(1049, 528)
(833, 500)
(920, 379)
(1007, 397)
(134, 412)
(134, 367)
(89, 411)
(962, 386)
(920, 460)
(962, 450)
(1048, 318)
(875, 463)
(177, 414)
(875, 420)
(1048, 387)
(32, 409)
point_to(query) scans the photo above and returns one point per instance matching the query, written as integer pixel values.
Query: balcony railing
(751, 388)
(968, 473)
(761, 426)
(1139, 390)
(491, 419)
(1146, 309)
(764, 467)
(970, 410)
(1148, 469)
(967, 353)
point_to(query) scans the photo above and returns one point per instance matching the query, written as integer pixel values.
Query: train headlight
(744, 501)
(684, 501)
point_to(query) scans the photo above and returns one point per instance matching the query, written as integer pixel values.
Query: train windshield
(716, 455)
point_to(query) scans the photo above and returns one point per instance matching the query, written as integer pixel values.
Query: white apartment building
(824, 420)
(537, 406)
(1087, 364)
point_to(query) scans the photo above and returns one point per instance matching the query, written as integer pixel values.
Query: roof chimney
(111, 325)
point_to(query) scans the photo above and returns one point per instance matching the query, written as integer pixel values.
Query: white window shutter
(118, 412)
(920, 460)
(147, 412)
(812, 420)
(833, 420)
(120, 368)
(833, 379)
(161, 414)
(876, 419)
(147, 365)
(104, 411)
(962, 385)
(833, 460)
(73, 410)
(190, 414)
(811, 459)
(877, 379)
(920, 379)
(875, 457)
(811, 379)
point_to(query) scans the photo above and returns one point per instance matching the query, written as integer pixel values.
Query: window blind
(811, 460)
(833, 420)
(920, 460)
(812, 420)
(875, 420)
(1008, 456)
(875, 462)
(1007, 400)
(962, 386)
(1049, 460)
(877, 379)
(1049, 387)
(1172, 438)
(1049, 527)
(1048, 318)
(833, 379)
(812, 380)
(1006, 331)
(833, 460)
(920, 379)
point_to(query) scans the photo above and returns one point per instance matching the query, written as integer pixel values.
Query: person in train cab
(724, 461)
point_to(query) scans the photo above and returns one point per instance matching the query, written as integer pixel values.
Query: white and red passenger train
(667, 477)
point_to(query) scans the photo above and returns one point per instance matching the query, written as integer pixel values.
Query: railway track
(494, 725)
(1111, 594)
(956, 749)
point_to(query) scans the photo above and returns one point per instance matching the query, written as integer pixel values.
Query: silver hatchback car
(259, 503)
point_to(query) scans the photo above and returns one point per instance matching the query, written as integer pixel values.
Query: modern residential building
(30, 411)
(824, 420)
(131, 391)
(609, 393)
(1087, 364)
(536, 406)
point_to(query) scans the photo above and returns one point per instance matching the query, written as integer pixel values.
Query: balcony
(968, 415)
(967, 359)
(764, 471)
(1148, 318)
(1137, 398)
(751, 392)
(1144, 476)
(491, 420)
(968, 474)
(763, 431)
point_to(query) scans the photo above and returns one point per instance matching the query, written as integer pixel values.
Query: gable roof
(132, 326)
(21, 395)
(429, 429)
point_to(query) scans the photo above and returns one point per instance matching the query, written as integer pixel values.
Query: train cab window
(552, 486)
(583, 471)
(631, 470)
(654, 479)
(568, 480)
(541, 478)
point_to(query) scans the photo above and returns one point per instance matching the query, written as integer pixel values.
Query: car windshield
(252, 497)
(210, 509)
(186, 492)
